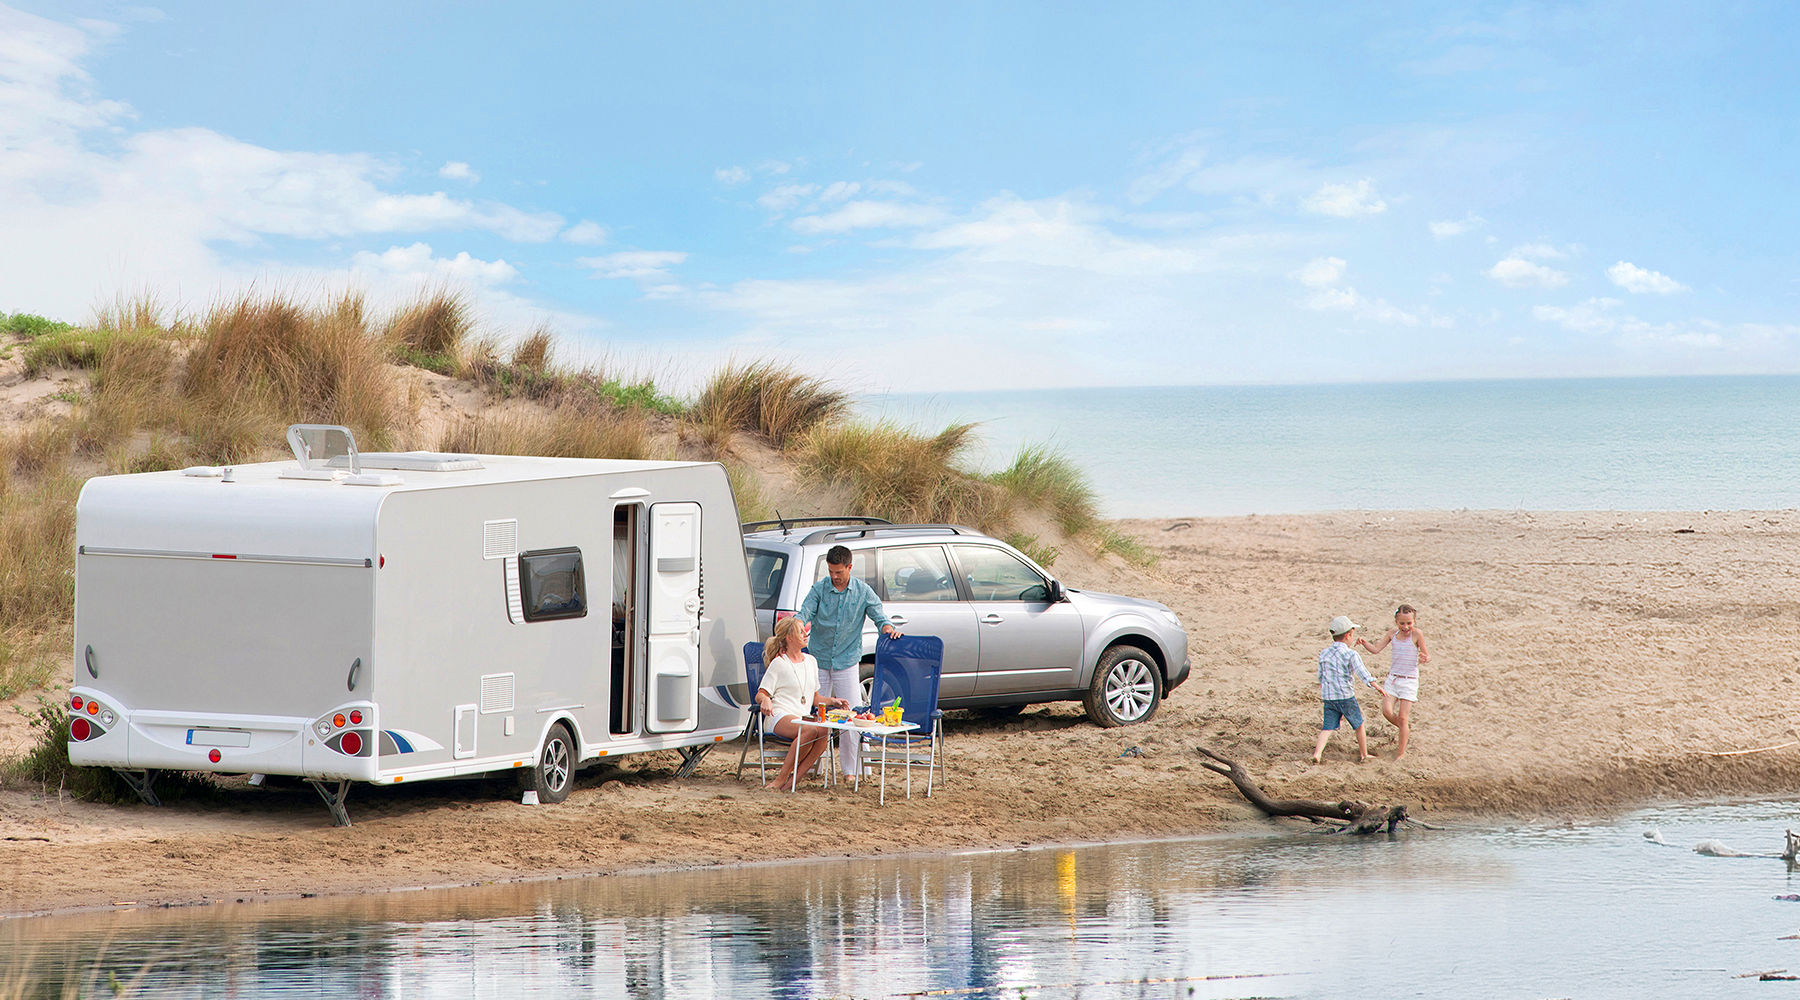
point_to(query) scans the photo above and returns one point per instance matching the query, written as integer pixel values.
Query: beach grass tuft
(1046, 479)
(904, 475)
(768, 398)
(567, 431)
(438, 324)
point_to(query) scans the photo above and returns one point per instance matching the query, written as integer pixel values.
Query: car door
(919, 594)
(1028, 645)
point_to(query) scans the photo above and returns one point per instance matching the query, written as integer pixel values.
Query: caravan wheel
(554, 774)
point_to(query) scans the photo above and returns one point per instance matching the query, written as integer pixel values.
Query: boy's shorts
(1342, 708)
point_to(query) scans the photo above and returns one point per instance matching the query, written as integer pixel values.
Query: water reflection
(1595, 911)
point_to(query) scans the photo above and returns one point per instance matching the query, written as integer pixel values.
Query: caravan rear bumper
(208, 741)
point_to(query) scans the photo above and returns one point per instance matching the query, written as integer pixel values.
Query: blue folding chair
(769, 747)
(908, 668)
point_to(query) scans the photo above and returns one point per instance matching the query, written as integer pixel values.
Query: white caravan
(403, 616)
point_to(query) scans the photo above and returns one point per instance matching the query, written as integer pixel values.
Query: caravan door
(672, 701)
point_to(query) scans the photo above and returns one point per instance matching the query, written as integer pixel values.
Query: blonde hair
(777, 643)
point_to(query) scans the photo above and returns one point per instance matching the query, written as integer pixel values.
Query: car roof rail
(786, 524)
(886, 530)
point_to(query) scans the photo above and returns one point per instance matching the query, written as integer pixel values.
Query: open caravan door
(673, 697)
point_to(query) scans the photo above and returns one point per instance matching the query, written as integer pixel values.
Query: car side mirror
(1056, 592)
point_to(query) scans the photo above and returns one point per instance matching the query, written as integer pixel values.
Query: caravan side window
(552, 585)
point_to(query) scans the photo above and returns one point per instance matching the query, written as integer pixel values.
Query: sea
(1670, 443)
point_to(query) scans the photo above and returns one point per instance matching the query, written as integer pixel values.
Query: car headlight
(1169, 616)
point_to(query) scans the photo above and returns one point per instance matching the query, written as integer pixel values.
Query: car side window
(917, 573)
(997, 575)
(862, 566)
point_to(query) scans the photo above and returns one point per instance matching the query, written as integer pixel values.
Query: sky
(939, 196)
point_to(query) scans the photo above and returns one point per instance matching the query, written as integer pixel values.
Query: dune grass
(278, 361)
(769, 398)
(1044, 478)
(567, 431)
(904, 475)
(31, 325)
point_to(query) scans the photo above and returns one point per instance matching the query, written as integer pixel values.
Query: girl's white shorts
(1403, 687)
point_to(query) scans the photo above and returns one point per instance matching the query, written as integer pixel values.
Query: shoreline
(1570, 679)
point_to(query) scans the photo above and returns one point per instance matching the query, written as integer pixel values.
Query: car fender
(1121, 623)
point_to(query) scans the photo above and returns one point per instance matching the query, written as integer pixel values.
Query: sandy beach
(1583, 663)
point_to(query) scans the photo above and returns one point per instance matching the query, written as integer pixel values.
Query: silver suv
(1013, 635)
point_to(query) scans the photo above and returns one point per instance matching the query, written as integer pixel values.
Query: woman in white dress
(789, 691)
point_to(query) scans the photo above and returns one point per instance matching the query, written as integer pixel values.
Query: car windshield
(767, 567)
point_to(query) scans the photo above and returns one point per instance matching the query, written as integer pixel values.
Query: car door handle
(992, 620)
(897, 619)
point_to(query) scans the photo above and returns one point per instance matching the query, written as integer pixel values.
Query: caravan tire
(553, 776)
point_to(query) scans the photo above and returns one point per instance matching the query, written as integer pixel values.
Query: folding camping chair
(770, 748)
(908, 668)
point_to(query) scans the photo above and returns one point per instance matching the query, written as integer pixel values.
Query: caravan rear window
(552, 585)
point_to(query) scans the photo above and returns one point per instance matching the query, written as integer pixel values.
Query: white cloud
(1633, 278)
(585, 233)
(1538, 251)
(637, 264)
(1593, 316)
(1456, 227)
(1320, 272)
(1166, 175)
(784, 197)
(92, 207)
(731, 175)
(1345, 201)
(776, 167)
(415, 264)
(868, 215)
(839, 191)
(456, 170)
(1517, 272)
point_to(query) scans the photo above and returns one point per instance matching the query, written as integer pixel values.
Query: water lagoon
(1581, 910)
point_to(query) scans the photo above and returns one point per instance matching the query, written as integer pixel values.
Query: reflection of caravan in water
(396, 617)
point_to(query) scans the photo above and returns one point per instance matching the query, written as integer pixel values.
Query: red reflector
(338, 720)
(779, 615)
(356, 717)
(93, 708)
(221, 555)
(382, 564)
(76, 702)
(351, 744)
(214, 755)
(80, 730)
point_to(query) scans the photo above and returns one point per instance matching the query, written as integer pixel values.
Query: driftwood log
(1357, 817)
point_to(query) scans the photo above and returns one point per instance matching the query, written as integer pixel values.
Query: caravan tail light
(93, 708)
(779, 615)
(80, 730)
(75, 703)
(356, 717)
(214, 755)
(351, 744)
(338, 720)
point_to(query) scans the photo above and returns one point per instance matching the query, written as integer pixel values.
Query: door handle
(992, 620)
(897, 619)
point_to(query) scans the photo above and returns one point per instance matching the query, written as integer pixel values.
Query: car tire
(1126, 689)
(553, 776)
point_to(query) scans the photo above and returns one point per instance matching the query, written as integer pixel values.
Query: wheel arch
(1131, 637)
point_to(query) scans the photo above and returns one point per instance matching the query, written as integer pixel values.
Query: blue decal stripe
(399, 741)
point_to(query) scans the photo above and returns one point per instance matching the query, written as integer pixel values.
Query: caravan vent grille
(515, 598)
(500, 539)
(496, 693)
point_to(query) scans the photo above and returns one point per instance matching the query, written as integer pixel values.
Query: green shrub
(1043, 555)
(904, 475)
(1045, 479)
(768, 398)
(31, 325)
(46, 763)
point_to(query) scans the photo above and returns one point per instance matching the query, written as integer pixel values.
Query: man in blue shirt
(834, 610)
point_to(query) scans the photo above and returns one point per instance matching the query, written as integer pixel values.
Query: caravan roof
(254, 510)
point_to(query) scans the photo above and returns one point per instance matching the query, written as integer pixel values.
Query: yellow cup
(891, 716)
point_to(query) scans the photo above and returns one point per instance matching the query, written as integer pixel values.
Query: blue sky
(939, 197)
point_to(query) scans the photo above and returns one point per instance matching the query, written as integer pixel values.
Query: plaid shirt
(1336, 661)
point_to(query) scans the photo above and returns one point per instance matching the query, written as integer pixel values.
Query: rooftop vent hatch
(316, 445)
(411, 461)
